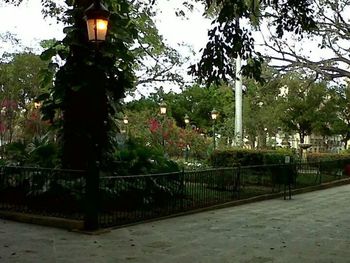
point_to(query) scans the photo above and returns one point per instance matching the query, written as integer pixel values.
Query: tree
(341, 122)
(156, 62)
(303, 106)
(227, 40)
(261, 108)
(330, 35)
(132, 39)
(19, 86)
(89, 85)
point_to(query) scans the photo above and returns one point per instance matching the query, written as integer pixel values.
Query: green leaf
(48, 54)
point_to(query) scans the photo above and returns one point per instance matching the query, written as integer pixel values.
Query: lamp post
(214, 115)
(126, 122)
(187, 147)
(96, 17)
(187, 120)
(162, 108)
(163, 112)
(2, 129)
(266, 134)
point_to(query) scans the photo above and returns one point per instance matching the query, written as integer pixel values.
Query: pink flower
(154, 125)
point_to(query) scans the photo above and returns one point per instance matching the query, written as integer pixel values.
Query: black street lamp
(214, 115)
(187, 147)
(162, 108)
(187, 120)
(126, 122)
(163, 112)
(97, 18)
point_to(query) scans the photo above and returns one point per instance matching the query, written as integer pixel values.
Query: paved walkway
(313, 227)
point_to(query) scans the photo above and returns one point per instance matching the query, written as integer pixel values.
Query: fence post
(238, 185)
(319, 170)
(290, 179)
(182, 182)
(92, 197)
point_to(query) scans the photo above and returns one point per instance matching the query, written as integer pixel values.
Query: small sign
(287, 159)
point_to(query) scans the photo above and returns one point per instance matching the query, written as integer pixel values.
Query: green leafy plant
(136, 158)
(40, 152)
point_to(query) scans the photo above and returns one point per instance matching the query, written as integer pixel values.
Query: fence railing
(50, 192)
(128, 199)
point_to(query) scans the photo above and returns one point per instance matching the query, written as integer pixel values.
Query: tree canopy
(329, 37)
(227, 39)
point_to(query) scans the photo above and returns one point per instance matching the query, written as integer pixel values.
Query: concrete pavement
(313, 227)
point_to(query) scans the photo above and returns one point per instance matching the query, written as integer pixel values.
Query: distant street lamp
(97, 18)
(187, 119)
(163, 112)
(266, 134)
(162, 108)
(187, 147)
(214, 115)
(37, 105)
(126, 122)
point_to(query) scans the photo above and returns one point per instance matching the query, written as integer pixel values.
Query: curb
(58, 222)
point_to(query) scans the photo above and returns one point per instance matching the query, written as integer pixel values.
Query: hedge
(245, 157)
(317, 157)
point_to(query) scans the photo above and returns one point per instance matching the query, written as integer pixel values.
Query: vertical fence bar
(92, 198)
(238, 171)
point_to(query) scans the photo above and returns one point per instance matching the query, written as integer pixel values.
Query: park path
(313, 227)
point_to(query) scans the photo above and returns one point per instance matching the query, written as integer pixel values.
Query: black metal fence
(130, 199)
(50, 192)
(127, 199)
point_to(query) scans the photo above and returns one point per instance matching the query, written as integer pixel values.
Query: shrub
(244, 157)
(38, 153)
(136, 158)
(15, 154)
(317, 157)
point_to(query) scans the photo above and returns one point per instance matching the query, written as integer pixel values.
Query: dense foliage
(89, 85)
(228, 39)
(245, 157)
(135, 158)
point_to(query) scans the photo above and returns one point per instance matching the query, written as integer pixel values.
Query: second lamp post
(214, 115)
(163, 112)
(126, 122)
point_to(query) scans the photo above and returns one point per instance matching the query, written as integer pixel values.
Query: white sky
(27, 23)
